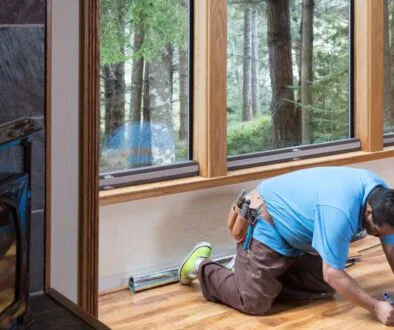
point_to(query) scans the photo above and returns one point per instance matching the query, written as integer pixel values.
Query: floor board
(177, 307)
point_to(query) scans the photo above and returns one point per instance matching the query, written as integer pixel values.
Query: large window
(144, 84)
(288, 74)
(388, 99)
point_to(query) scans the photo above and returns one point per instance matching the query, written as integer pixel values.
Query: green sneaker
(188, 270)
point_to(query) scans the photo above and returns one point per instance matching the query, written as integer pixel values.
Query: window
(144, 87)
(288, 74)
(388, 98)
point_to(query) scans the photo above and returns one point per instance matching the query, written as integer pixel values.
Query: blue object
(315, 210)
(388, 298)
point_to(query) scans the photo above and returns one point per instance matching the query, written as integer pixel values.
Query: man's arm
(347, 287)
(389, 252)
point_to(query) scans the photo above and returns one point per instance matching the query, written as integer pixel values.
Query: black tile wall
(22, 11)
(37, 252)
(22, 72)
(22, 94)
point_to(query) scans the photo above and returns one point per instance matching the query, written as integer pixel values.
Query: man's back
(308, 206)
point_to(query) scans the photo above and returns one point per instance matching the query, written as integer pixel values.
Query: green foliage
(113, 36)
(250, 136)
(163, 22)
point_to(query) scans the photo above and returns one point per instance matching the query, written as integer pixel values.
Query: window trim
(148, 174)
(388, 140)
(209, 90)
(293, 153)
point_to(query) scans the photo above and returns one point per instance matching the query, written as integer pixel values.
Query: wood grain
(89, 158)
(177, 307)
(120, 195)
(368, 73)
(209, 87)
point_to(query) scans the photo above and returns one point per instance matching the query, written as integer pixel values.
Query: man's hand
(384, 312)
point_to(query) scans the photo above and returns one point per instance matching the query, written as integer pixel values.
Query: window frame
(147, 174)
(209, 116)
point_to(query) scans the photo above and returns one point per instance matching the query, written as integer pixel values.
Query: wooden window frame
(209, 119)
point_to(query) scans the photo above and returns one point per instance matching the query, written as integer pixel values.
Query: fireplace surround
(15, 209)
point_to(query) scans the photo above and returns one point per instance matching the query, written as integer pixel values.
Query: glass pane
(8, 257)
(388, 100)
(287, 85)
(144, 64)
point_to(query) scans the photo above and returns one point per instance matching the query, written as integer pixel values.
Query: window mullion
(210, 65)
(368, 70)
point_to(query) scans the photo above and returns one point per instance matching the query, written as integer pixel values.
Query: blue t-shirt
(316, 210)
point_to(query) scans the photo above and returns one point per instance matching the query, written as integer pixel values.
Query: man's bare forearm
(347, 287)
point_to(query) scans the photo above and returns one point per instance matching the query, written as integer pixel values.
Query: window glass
(288, 74)
(144, 83)
(388, 99)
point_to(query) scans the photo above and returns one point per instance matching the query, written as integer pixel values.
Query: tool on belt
(244, 212)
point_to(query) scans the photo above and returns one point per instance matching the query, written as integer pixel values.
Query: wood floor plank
(175, 307)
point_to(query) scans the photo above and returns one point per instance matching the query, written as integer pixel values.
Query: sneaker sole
(197, 246)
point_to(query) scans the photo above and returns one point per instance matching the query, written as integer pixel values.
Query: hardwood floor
(177, 307)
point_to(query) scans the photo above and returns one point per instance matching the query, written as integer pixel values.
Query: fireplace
(15, 196)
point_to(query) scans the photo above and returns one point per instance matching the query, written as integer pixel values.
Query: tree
(247, 67)
(114, 70)
(286, 118)
(137, 75)
(183, 87)
(306, 68)
(255, 63)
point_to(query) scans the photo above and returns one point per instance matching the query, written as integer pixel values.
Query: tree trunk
(145, 147)
(247, 67)
(183, 99)
(136, 77)
(255, 64)
(114, 94)
(286, 118)
(306, 69)
(163, 140)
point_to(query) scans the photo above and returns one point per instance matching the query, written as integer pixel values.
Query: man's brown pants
(261, 276)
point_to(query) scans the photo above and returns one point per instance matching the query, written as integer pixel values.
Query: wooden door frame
(89, 158)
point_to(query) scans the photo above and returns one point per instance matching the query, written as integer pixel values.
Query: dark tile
(22, 79)
(22, 11)
(38, 169)
(36, 277)
(58, 319)
(42, 303)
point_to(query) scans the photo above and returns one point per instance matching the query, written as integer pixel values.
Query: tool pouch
(237, 224)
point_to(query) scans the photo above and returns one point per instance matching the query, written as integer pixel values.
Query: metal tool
(388, 298)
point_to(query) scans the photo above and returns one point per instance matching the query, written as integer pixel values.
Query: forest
(288, 77)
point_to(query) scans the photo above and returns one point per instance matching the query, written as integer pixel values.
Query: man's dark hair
(382, 204)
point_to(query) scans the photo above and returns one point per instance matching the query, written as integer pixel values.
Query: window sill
(142, 191)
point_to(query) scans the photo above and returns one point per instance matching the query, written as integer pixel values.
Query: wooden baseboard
(75, 309)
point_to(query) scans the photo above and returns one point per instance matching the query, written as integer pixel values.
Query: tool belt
(244, 212)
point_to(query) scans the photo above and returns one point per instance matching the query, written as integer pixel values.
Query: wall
(143, 236)
(22, 94)
(65, 149)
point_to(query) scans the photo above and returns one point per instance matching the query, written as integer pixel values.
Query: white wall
(143, 236)
(65, 136)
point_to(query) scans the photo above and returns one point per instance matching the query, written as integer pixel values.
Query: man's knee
(256, 304)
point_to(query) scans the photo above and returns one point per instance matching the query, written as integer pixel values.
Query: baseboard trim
(75, 309)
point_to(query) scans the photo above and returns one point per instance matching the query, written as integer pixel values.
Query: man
(300, 247)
